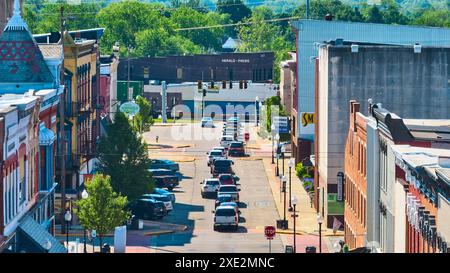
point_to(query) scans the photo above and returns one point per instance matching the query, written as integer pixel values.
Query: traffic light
(241, 84)
(204, 92)
(212, 84)
(199, 84)
(245, 84)
(224, 84)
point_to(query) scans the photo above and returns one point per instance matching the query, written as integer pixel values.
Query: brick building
(355, 179)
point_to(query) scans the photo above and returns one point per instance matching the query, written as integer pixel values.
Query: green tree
(124, 157)
(235, 8)
(208, 38)
(372, 14)
(104, 209)
(260, 35)
(124, 20)
(433, 18)
(273, 101)
(46, 18)
(143, 119)
(392, 14)
(320, 8)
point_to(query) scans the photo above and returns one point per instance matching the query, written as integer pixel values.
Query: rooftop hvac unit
(417, 48)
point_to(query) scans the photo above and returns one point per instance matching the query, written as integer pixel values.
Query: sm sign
(307, 119)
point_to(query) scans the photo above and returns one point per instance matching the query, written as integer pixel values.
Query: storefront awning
(46, 136)
(40, 236)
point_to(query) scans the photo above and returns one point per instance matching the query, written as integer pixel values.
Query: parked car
(163, 198)
(207, 122)
(236, 148)
(213, 155)
(165, 178)
(230, 189)
(222, 198)
(226, 140)
(227, 179)
(220, 166)
(147, 209)
(233, 119)
(232, 204)
(222, 149)
(226, 216)
(164, 192)
(210, 186)
(164, 164)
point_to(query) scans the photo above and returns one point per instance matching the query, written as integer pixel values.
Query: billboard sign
(306, 127)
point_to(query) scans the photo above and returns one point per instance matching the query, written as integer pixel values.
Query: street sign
(130, 108)
(94, 233)
(281, 124)
(269, 232)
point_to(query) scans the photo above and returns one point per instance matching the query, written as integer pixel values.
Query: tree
(124, 20)
(208, 38)
(260, 35)
(391, 13)
(320, 8)
(143, 118)
(124, 157)
(433, 18)
(235, 8)
(104, 209)
(373, 14)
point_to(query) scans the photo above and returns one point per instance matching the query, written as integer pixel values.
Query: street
(257, 204)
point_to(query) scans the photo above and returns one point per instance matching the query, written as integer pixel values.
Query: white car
(226, 216)
(226, 140)
(207, 122)
(220, 148)
(213, 155)
(210, 186)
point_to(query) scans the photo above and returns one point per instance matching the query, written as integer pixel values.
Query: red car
(228, 179)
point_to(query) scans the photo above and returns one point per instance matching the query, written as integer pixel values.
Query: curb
(251, 159)
(153, 233)
(307, 233)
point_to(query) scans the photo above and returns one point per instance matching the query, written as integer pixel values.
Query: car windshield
(212, 182)
(236, 145)
(228, 189)
(225, 198)
(162, 198)
(225, 212)
(222, 163)
(215, 153)
(161, 172)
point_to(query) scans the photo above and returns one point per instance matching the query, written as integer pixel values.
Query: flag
(336, 225)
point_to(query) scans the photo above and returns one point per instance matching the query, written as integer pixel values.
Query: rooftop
(51, 51)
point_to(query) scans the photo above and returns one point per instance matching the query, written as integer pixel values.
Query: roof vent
(417, 48)
(355, 48)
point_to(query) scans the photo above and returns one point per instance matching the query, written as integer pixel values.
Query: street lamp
(283, 150)
(47, 245)
(277, 139)
(85, 195)
(273, 136)
(283, 180)
(68, 218)
(320, 221)
(294, 204)
(256, 110)
(291, 164)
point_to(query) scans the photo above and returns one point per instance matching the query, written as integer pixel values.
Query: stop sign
(269, 231)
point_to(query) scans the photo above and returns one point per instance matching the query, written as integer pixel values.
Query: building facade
(396, 76)
(255, 67)
(287, 77)
(355, 179)
(310, 33)
(30, 90)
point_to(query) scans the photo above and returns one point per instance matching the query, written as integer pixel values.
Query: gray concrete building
(311, 32)
(411, 81)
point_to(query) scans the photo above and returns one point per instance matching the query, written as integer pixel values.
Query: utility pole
(164, 102)
(62, 131)
(128, 76)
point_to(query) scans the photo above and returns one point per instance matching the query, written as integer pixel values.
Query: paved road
(258, 209)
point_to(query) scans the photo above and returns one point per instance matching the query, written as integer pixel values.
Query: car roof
(212, 179)
(239, 142)
(214, 150)
(224, 159)
(218, 148)
(149, 200)
(153, 195)
(153, 170)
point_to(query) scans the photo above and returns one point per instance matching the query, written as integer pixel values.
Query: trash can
(106, 248)
(310, 249)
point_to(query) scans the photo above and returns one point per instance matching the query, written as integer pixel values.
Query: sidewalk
(307, 228)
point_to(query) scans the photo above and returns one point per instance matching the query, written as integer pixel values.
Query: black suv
(220, 166)
(148, 209)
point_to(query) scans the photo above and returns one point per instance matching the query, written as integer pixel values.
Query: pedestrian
(157, 138)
